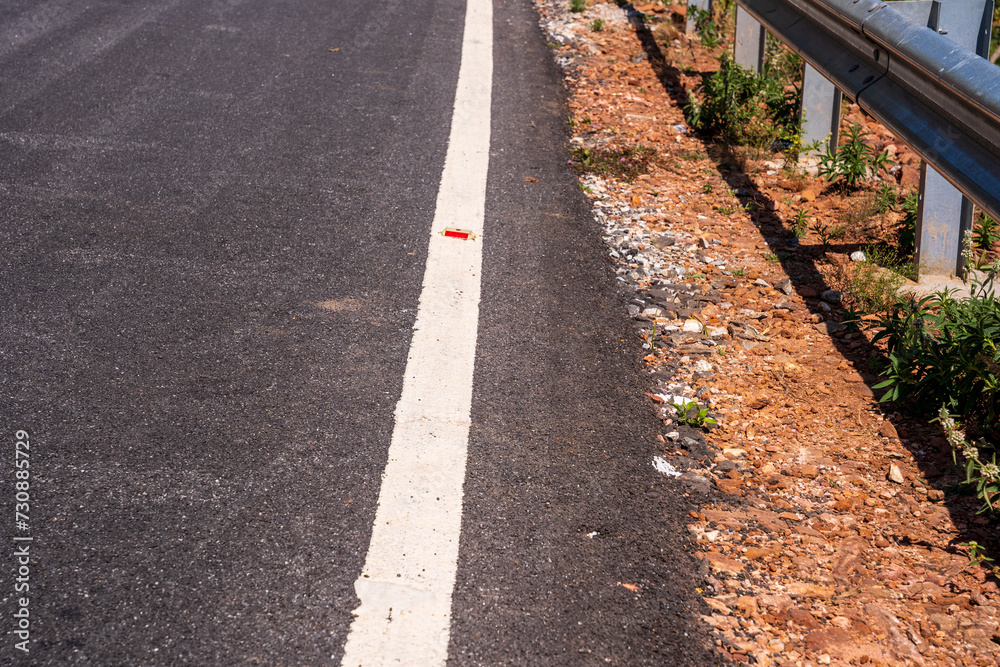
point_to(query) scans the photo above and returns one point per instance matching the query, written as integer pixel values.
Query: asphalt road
(215, 218)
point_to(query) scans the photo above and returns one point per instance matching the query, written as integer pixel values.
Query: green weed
(987, 232)
(853, 160)
(688, 413)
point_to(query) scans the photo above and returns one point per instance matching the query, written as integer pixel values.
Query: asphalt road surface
(216, 219)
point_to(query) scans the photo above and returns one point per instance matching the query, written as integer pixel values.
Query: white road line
(406, 585)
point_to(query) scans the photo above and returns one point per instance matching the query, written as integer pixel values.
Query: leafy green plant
(705, 27)
(942, 349)
(977, 554)
(689, 414)
(801, 223)
(853, 160)
(743, 108)
(884, 199)
(577, 6)
(822, 230)
(597, 25)
(707, 188)
(626, 163)
(987, 232)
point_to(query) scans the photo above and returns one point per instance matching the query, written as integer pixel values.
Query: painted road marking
(406, 585)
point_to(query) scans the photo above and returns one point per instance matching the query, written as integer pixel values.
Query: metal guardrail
(941, 99)
(917, 66)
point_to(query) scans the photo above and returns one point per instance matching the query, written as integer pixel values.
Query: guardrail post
(944, 214)
(750, 41)
(820, 110)
(705, 5)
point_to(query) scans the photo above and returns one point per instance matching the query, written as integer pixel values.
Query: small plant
(853, 318)
(578, 6)
(822, 230)
(984, 476)
(740, 272)
(854, 160)
(626, 163)
(977, 554)
(597, 25)
(771, 257)
(725, 210)
(801, 223)
(871, 286)
(689, 414)
(707, 188)
(706, 27)
(987, 232)
(650, 342)
(884, 199)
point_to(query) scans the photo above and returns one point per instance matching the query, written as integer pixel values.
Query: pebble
(831, 296)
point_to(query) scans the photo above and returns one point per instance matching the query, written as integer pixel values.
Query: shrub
(743, 108)
(944, 351)
(853, 160)
(987, 232)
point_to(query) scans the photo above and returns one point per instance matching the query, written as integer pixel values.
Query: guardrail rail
(919, 68)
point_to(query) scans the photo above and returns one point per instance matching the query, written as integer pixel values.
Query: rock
(831, 641)
(717, 332)
(831, 296)
(634, 311)
(652, 313)
(844, 505)
(730, 487)
(810, 472)
(695, 483)
(725, 466)
(807, 590)
(858, 256)
(734, 453)
(702, 366)
(760, 282)
(808, 292)
(808, 195)
(692, 326)
(899, 643)
(829, 328)
(719, 563)
(785, 286)
(887, 430)
(935, 495)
